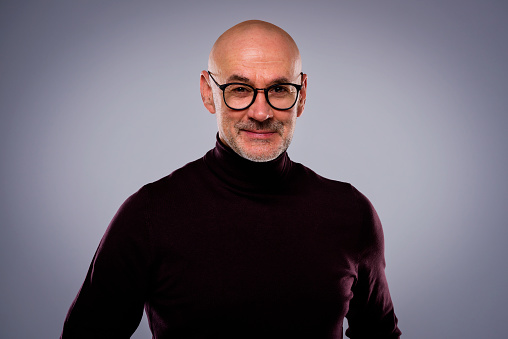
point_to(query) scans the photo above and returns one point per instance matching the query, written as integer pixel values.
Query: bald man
(258, 54)
(244, 242)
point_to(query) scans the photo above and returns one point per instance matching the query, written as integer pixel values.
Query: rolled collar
(244, 174)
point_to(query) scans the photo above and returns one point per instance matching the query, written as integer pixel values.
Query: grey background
(407, 100)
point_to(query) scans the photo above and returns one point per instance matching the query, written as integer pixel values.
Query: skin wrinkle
(259, 54)
(239, 78)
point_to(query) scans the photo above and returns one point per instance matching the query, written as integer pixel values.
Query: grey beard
(265, 158)
(267, 125)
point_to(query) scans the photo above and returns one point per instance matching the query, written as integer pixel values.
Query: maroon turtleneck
(229, 248)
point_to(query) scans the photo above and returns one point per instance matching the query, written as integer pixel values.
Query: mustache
(267, 125)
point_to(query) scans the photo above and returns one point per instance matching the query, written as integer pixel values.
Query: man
(243, 243)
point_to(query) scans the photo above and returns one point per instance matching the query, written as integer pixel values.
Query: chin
(261, 155)
(259, 150)
(262, 158)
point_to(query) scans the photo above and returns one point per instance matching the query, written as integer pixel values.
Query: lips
(258, 134)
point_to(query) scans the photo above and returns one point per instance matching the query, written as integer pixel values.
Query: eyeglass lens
(280, 96)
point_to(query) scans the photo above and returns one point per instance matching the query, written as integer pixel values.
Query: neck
(243, 173)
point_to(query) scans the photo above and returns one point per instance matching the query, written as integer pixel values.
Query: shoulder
(304, 174)
(170, 187)
(190, 171)
(365, 206)
(372, 237)
(333, 197)
(323, 184)
(181, 179)
(341, 195)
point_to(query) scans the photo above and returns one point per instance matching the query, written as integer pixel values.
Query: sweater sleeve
(371, 313)
(111, 299)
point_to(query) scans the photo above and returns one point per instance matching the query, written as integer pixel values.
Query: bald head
(254, 44)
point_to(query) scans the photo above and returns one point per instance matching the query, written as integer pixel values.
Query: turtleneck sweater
(229, 248)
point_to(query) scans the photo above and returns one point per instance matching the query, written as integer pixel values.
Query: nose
(260, 110)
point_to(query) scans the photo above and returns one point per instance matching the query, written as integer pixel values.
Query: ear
(206, 92)
(303, 96)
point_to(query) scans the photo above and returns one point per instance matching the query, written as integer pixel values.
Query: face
(260, 132)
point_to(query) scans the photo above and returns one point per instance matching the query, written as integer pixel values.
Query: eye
(280, 90)
(239, 89)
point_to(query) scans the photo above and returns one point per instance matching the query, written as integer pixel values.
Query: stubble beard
(262, 155)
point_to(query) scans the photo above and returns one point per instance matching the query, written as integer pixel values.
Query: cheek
(230, 118)
(289, 121)
(226, 122)
(217, 99)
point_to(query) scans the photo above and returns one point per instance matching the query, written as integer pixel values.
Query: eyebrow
(236, 77)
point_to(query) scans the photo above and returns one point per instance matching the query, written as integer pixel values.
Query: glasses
(239, 96)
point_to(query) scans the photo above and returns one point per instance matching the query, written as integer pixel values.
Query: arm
(371, 313)
(110, 302)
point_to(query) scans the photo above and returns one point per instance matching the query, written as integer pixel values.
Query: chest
(255, 260)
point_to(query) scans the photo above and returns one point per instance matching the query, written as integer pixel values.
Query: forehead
(254, 64)
(257, 67)
(257, 56)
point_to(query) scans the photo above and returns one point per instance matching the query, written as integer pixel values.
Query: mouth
(258, 134)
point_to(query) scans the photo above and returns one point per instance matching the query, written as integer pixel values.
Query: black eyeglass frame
(256, 90)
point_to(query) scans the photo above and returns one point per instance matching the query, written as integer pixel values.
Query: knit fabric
(228, 248)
